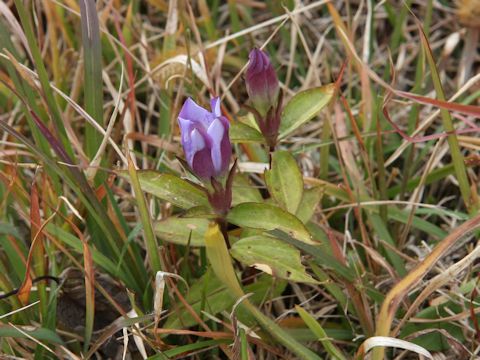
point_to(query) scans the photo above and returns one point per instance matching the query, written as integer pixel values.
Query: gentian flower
(205, 139)
(262, 82)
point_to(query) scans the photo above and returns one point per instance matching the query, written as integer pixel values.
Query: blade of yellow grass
(404, 286)
(219, 257)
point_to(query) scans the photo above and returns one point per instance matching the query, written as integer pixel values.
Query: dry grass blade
(158, 298)
(137, 335)
(381, 341)
(437, 282)
(403, 287)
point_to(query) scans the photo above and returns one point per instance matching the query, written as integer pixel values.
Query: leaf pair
(300, 109)
(254, 250)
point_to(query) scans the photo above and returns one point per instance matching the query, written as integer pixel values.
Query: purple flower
(262, 82)
(205, 138)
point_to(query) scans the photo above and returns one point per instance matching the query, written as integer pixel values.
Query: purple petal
(195, 144)
(185, 126)
(258, 61)
(216, 132)
(261, 81)
(215, 104)
(226, 150)
(205, 138)
(202, 164)
(193, 112)
(225, 122)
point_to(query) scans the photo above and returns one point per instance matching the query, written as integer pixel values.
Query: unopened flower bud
(262, 82)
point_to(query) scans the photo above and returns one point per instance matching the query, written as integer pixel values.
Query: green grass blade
(317, 329)
(150, 238)
(93, 87)
(54, 111)
(457, 157)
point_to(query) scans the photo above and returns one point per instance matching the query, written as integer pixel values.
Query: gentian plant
(223, 211)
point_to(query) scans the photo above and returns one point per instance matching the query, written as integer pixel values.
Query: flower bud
(261, 80)
(205, 139)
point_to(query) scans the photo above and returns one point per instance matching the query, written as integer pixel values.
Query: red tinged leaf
(23, 293)
(36, 247)
(89, 293)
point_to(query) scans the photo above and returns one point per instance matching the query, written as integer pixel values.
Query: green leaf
(284, 181)
(241, 132)
(271, 256)
(268, 217)
(321, 256)
(179, 230)
(200, 212)
(243, 191)
(304, 106)
(311, 198)
(171, 188)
